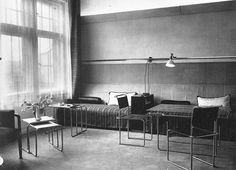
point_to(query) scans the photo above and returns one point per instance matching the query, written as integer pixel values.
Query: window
(34, 47)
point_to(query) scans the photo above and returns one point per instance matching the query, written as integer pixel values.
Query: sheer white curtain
(35, 51)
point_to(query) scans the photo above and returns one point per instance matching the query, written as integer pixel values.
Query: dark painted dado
(184, 82)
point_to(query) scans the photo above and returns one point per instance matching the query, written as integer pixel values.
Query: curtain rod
(161, 59)
(206, 59)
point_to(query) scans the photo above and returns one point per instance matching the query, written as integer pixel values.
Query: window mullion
(35, 51)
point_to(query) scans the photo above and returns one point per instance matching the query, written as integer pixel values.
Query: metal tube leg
(76, 122)
(167, 134)
(151, 128)
(158, 144)
(119, 130)
(64, 116)
(214, 150)
(219, 135)
(128, 128)
(28, 140)
(214, 143)
(49, 136)
(191, 153)
(81, 119)
(62, 138)
(86, 118)
(71, 130)
(144, 132)
(52, 138)
(36, 144)
(57, 138)
(215, 137)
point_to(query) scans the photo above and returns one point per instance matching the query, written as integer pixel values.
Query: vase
(38, 113)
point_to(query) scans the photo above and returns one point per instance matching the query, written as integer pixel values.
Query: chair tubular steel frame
(209, 133)
(145, 119)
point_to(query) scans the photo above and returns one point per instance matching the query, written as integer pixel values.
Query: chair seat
(135, 117)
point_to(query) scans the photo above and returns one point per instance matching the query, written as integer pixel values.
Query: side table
(46, 123)
(77, 108)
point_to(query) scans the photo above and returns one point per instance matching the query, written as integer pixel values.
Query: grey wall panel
(206, 34)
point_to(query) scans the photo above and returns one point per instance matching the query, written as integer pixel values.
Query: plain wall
(196, 35)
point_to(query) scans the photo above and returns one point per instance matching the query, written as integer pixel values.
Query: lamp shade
(1, 161)
(170, 63)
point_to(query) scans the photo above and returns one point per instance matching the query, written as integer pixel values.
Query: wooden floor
(99, 149)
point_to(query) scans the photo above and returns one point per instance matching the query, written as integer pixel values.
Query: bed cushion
(113, 100)
(223, 103)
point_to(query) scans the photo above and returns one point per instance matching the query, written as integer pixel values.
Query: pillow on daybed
(222, 102)
(113, 100)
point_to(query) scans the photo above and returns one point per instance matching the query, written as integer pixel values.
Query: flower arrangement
(38, 108)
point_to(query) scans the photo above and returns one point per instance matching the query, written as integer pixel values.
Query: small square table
(47, 124)
(173, 110)
(77, 108)
(170, 110)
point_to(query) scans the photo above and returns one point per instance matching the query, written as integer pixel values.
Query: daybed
(101, 115)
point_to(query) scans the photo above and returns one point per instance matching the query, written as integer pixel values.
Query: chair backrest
(204, 117)
(138, 105)
(7, 118)
(180, 102)
(122, 101)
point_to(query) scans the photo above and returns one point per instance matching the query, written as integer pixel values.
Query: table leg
(71, 126)
(76, 122)
(28, 141)
(86, 118)
(57, 139)
(64, 114)
(81, 118)
(158, 145)
(62, 138)
(36, 144)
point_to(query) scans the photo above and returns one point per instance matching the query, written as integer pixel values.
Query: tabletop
(67, 106)
(43, 119)
(172, 110)
(184, 110)
(60, 105)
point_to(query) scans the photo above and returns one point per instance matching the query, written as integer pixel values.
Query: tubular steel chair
(203, 124)
(8, 131)
(144, 118)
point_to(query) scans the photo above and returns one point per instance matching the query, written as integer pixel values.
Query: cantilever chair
(145, 118)
(8, 131)
(203, 125)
